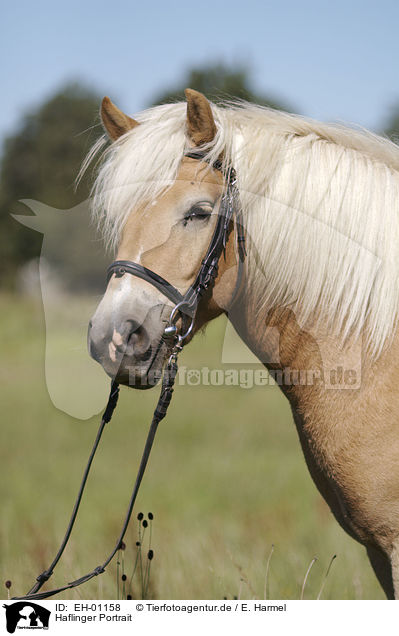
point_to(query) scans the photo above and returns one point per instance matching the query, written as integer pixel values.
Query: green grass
(225, 481)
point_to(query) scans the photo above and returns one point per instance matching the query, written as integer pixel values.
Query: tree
(218, 83)
(41, 162)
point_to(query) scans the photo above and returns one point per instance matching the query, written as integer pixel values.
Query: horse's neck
(346, 411)
(276, 338)
(335, 392)
(307, 363)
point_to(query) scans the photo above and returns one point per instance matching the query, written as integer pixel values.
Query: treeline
(41, 160)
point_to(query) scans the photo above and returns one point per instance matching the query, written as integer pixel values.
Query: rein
(185, 305)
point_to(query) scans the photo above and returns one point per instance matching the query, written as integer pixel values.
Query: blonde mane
(320, 204)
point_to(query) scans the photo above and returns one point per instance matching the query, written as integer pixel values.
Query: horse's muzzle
(127, 352)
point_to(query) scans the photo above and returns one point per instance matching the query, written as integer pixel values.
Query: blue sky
(329, 60)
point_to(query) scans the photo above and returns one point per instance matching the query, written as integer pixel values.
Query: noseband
(186, 304)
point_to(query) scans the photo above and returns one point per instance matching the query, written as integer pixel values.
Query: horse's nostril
(136, 341)
(93, 350)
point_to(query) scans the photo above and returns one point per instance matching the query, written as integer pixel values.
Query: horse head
(167, 235)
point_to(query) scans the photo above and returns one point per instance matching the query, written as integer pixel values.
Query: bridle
(185, 306)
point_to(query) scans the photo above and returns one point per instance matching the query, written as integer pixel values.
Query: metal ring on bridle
(177, 308)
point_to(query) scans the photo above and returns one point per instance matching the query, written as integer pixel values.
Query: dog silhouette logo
(26, 615)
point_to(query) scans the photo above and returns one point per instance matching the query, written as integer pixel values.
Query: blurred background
(227, 480)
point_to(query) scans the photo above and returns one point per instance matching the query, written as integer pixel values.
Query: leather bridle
(186, 306)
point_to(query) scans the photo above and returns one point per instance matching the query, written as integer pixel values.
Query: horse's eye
(197, 213)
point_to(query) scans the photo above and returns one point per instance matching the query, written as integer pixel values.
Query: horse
(316, 297)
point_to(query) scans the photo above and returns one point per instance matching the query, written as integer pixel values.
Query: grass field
(225, 481)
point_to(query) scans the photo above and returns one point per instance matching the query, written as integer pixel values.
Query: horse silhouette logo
(75, 384)
(26, 615)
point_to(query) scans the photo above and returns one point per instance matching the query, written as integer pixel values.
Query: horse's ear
(200, 123)
(114, 121)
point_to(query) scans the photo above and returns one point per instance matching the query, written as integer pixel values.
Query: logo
(26, 615)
